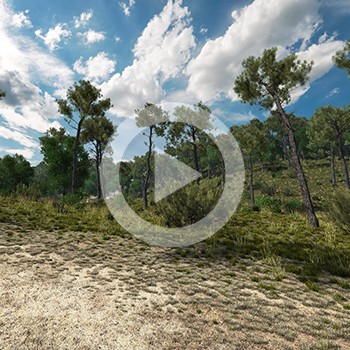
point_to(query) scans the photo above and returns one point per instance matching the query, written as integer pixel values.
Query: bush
(190, 204)
(269, 189)
(32, 191)
(288, 192)
(290, 172)
(71, 199)
(292, 205)
(340, 211)
(266, 202)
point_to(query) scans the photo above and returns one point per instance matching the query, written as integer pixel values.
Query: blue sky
(141, 51)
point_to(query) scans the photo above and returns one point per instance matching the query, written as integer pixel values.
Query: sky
(139, 51)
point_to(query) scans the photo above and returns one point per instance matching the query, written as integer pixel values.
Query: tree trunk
(75, 158)
(334, 179)
(223, 169)
(148, 174)
(343, 160)
(195, 151)
(285, 149)
(251, 182)
(98, 173)
(310, 211)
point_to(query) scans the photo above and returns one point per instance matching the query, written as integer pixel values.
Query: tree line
(265, 81)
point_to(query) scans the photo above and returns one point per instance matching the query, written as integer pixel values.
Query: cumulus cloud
(160, 54)
(24, 64)
(25, 152)
(83, 19)
(260, 25)
(17, 136)
(92, 36)
(126, 6)
(321, 55)
(21, 20)
(54, 36)
(95, 68)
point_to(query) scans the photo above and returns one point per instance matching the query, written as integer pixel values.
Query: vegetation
(269, 256)
(57, 148)
(83, 102)
(268, 82)
(14, 170)
(98, 131)
(341, 58)
(253, 141)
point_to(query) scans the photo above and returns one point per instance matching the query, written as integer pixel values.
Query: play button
(171, 175)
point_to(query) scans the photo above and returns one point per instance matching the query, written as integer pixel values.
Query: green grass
(278, 233)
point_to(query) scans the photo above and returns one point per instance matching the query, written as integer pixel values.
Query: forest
(289, 236)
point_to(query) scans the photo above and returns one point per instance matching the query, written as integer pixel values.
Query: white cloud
(126, 7)
(24, 64)
(91, 36)
(241, 118)
(54, 36)
(21, 20)
(203, 30)
(160, 54)
(95, 68)
(333, 92)
(342, 7)
(260, 25)
(117, 39)
(25, 152)
(83, 19)
(321, 55)
(24, 140)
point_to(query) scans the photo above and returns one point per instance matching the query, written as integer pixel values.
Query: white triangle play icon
(171, 175)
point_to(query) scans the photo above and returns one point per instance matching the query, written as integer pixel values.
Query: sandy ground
(60, 293)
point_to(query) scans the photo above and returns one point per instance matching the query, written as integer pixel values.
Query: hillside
(73, 279)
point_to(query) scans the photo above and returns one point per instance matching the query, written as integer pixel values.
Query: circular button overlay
(166, 176)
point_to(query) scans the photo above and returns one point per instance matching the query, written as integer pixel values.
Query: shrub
(290, 172)
(190, 204)
(266, 202)
(32, 191)
(288, 192)
(71, 199)
(269, 189)
(292, 205)
(340, 211)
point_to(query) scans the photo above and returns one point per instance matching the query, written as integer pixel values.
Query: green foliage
(267, 188)
(14, 170)
(190, 204)
(57, 148)
(156, 120)
(32, 191)
(292, 205)
(342, 58)
(252, 138)
(266, 202)
(264, 78)
(83, 102)
(98, 131)
(328, 124)
(340, 210)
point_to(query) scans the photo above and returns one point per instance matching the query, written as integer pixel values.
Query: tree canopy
(83, 102)
(342, 58)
